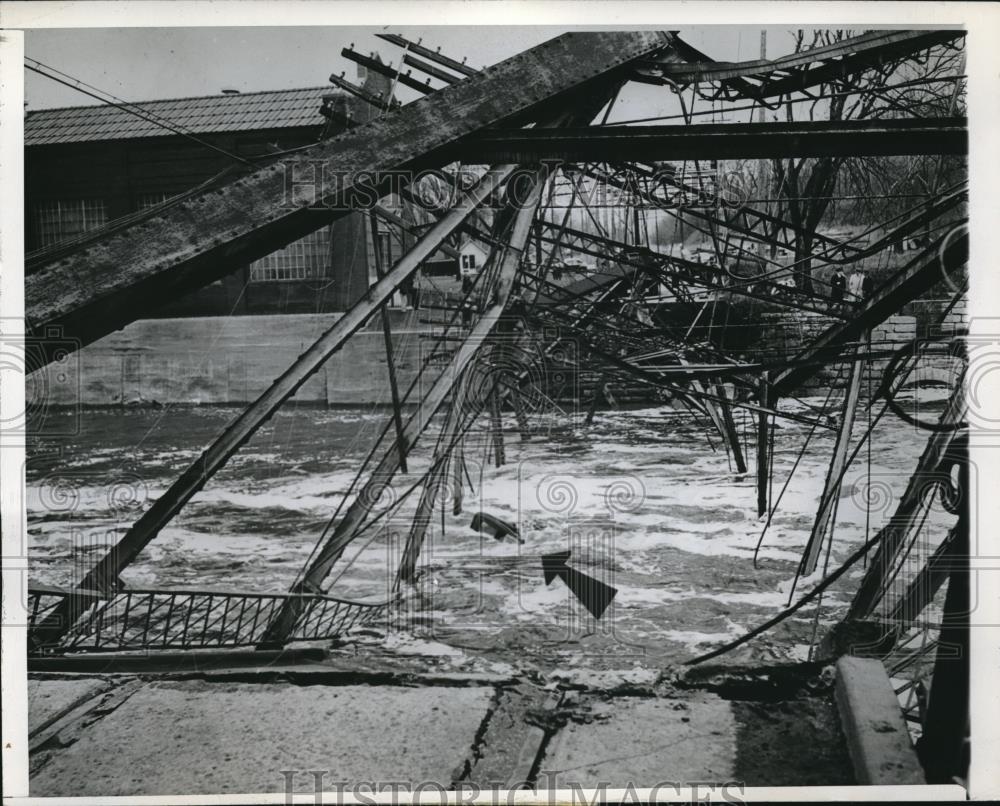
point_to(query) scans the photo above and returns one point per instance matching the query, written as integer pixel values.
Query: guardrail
(138, 619)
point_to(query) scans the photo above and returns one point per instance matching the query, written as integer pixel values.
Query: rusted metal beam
(130, 273)
(719, 141)
(855, 63)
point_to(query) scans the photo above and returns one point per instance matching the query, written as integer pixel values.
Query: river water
(643, 499)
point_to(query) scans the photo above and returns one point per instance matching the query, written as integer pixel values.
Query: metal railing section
(139, 619)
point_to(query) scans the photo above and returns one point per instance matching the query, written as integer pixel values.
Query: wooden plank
(126, 275)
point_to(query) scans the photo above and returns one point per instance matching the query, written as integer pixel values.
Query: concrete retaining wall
(222, 360)
(232, 360)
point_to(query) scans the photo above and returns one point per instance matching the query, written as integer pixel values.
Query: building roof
(275, 109)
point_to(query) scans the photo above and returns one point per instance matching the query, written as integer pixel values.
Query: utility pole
(763, 174)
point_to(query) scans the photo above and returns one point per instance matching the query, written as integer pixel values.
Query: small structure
(472, 257)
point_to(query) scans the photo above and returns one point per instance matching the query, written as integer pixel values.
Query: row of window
(61, 220)
(305, 259)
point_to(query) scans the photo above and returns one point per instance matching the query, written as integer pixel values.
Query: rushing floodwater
(640, 497)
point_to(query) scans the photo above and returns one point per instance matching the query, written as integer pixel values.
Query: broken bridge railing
(143, 619)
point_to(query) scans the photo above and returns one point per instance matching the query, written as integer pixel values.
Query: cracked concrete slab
(50, 699)
(215, 738)
(645, 741)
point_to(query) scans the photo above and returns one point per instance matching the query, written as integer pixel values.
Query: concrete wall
(784, 334)
(230, 360)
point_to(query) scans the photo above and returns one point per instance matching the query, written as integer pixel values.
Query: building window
(305, 259)
(468, 261)
(386, 253)
(146, 200)
(57, 221)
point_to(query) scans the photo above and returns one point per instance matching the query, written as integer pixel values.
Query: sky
(139, 64)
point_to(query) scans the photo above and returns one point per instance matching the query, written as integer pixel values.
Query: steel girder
(719, 141)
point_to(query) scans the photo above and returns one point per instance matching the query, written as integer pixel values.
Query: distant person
(855, 285)
(867, 285)
(838, 284)
(406, 290)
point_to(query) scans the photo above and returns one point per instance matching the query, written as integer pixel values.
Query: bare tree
(805, 188)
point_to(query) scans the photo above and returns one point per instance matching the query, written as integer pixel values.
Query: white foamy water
(640, 499)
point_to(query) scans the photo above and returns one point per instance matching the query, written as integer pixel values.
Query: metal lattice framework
(640, 318)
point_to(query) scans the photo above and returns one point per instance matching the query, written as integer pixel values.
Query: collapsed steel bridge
(534, 123)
